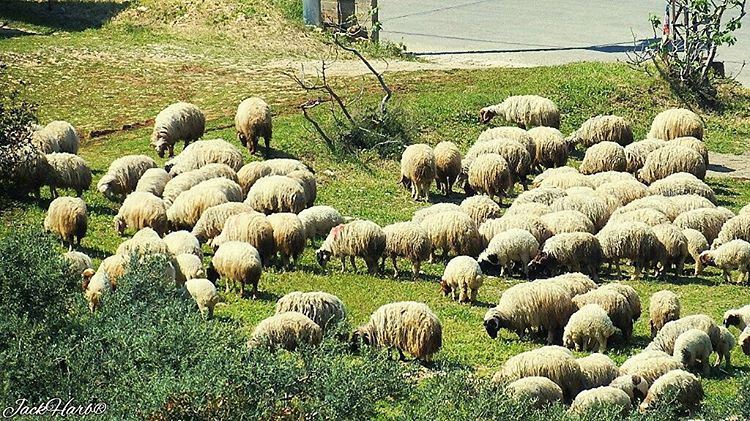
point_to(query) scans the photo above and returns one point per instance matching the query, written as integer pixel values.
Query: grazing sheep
(694, 144)
(515, 154)
(674, 123)
(489, 174)
(607, 177)
(454, 233)
(688, 202)
(123, 175)
(277, 193)
(189, 266)
(140, 210)
(67, 171)
(637, 152)
(309, 184)
(648, 216)
(204, 293)
(68, 218)
(238, 262)
(78, 261)
(671, 159)
(324, 309)
(31, 172)
(664, 340)
(539, 391)
(288, 330)
(675, 244)
(675, 387)
(289, 236)
(603, 128)
(509, 132)
(682, 183)
(663, 308)
(57, 136)
(598, 370)
(481, 208)
(524, 110)
(462, 279)
(649, 365)
(212, 220)
(551, 148)
(189, 205)
(550, 362)
(180, 242)
(615, 304)
(95, 286)
(660, 203)
(318, 220)
(588, 329)
(609, 397)
(734, 255)
(558, 172)
(738, 317)
(153, 181)
(179, 121)
(531, 208)
(697, 244)
(707, 221)
(630, 294)
(635, 241)
(254, 171)
(145, 242)
(190, 179)
(633, 385)
(407, 326)
(572, 252)
(604, 156)
(594, 207)
(535, 226)
(625, 191)
(735, 228)
(115, 266)
(447, 166)
(253, 121)
(252, 228)
(509, 247)
(418, 170)
(408, 240)
(541, 195)
(204, 152)
(423, 213)
(574, 283)
(357, 238)
(693, 346)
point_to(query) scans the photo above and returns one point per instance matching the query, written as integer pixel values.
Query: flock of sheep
(641, 202)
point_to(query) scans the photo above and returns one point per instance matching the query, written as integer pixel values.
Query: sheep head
(486, 114)
(745, 345)
(360, 336)
(731, 319)
(542, 263)
(323, 257)
(86, 278)
(159, 143)
(119, 223)
(493, 322)
(212, 274)
(640, 387)
(707, 259)
(488, 261)
(445, 288)
(404, 181)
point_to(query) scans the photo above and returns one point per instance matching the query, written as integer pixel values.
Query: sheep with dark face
(572, 252)
(357, 238)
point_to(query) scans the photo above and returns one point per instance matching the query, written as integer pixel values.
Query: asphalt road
(525, 33)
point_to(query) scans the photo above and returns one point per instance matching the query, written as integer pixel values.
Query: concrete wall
(337, 11)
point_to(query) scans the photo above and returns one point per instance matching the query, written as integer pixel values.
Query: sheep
(318, 220)
(707, 221)
(694, 144)
(531, 209)
(630, 294)
(693, 346)
(252, 228)
(489, 174)
(569, 251)
(288, 330)
(737, 317)
(648, 216)
(462, 279)
(115, 266)
(254, 171)
(665, 340)
(574, 283)
(533, 225)
(598, 370)
(203, 152)
(180, 242)
(734, 255)
(603, 128)
(541, 195)
(187, 180)
(682, 183)
(407, 326)
(663, 308)
(625, 191)
(675, 244)
(604, 156)
(589, 328)
(204, 293)
(735, 228)
(660, 203)
(144, 242)
(509, 247)
(31, 171)
(509, 132)
(253, 121)
(594, 207)
(179, 121)
(551, 148)
(326, 310)
(78, 261)
(95, 286)
(307, 180)
(418, 170)
(688, 202)
(408, 240)
(238, 262)
(153, 181)
(122, 176)
(536, 390)
(675, 387)
(676, 122)
(531, 306)
(524, 110)
(357, 238)
(745, 341)
(671, 159)
(567, 180)
(56, 136)
(277, 193)
(212, 220)
(609, 397)
(189, 205)
(454, 233)
(636, 153)
(633, 240)
(515, 154)
(633, 385)
(696, 244)
(288, 235)
(68, 218)
(480, 208)
(557, 172)
(140, 210)
(447, 166)
(549, 362)
(615, 304)
(649, 365)
(421, 214)
(189, 266)
(607, 177)
(67, 171)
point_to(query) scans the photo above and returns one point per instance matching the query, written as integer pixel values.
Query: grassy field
(101, 75)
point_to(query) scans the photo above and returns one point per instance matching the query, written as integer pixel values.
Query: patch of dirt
(728, 166)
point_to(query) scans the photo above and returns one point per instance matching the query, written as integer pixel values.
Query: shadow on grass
(94, 253)
(70, 16)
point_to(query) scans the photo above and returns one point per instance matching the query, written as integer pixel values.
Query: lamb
(675, 387)
(67, 171)
(615, 304)
(203, 152)
(697, 244)
(68, 218)
(539, 391)
(253, 121)
(635, 241)
(524, 110)
(418, 170)
(489, 174)
(512, 246)
(480, 208)
(462, 279)
(738, 317)
(594, 207)
(589, 328)
(238, 262)
(454, 233)
(307, 180)
(277, 193)
(190, 179)
(598, 370)
(153, 181)
(531, 208)
(671, 159)
(288, 330)
(407, 326)
(663, 308)
(324, 309)
(531, 306)
(509, 132)
(630, 294)
(189, 205)
(665, 340)
(605, 396)
(254, 171)
(180, 242)
(189, 266)
(140, 210)
(674, 123)
(357, 238)
(549, 362)
(123, 175)
(604, 156)
(707, 221)
(694, 144)
(535, 226)
(603, 128)
(252, 228)
(682, 183)
(95, 286)
(515, 154)
(574, 283)
(675, 244)
(734, 255)
(636, 153)
(421, 214)
(204, 293)
(56, 136)
(408, 240)
(289, 236)
(625, 191)
(633, 385)
(318, 220)
(447, 166)
(551, 149)
(736, 228)
(78, 261)
(569, 251)
(212, 220)
(745, 341)
(179, 121)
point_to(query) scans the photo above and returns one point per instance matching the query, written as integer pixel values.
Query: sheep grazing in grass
(682, 183)
(318, 220)
(572, 252)
(614, 304)
(57, 136)
(454, 233)
(95, 286)
(212, 220)
(734, 255)
(308, 183)
(736, 228)
(550, 362)
(421, 214)
(665, 340)
(252, 228)
(694, 144)
(589, 328)
(408, 240)
(594, 207)
(30, 173)
(179, 242)
(254, 171)
(447, 166)
(603, 128)
(238, 262)
(707, 221)
(481, 208)
(288, 330)
(636, 153)
(67, 171)
(607, 177)
(68, 218)
(663, 308)
(418, 170)
(697, 244)
(604, 156)
(538, 391)
(140, 210)
(612, 398)
(675, 388)
(671, 159)
(324, 309)
(187, 180)
(509, 132)
(407, 326)
(558, 172)
(630, 294)
(676, 122)
(289, 237)
(360, 238)
(648, 216)
(204, 152)
(633, 385)
(153, 181)
(179, 121)
(188, 266)
(688, 202)
(649, 365)
(188, 207)
(692, 348)
(574, 283)
(277, 193)
(507, 248)
(515, 154)
(524, 110)
(551, 148)
(737, 317)
(489, 174)
(78, 261)
(123, 175)
(625, 191)
(253, 121)
(462, 279)
(631, 240)
(533, 225)
(598, 370)
(204, 293)
(660, 203)
(675, 245)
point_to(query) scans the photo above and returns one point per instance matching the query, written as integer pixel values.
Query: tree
(16, 118)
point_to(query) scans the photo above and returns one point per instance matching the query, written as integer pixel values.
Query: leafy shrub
(16, 116)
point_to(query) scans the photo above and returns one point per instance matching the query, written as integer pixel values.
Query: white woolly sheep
(204, 293)
(694, 144)
(144, 242)
(536, 390)
(510, 132)
(447, 166)
(489, 174)
(664, 340)
(423, 213)
(630, 294)
(661, 203)
(675, 245)
(288, 330)
(407, 326)
(663, 308)
(693, 347)
(676, 122)
(604, 156)
(574, 283)
(418, 170)
(524, 110)
(253, 121)
(189, 205)
(78, 261)
(190, 179)
(550, 362)
(603, 128)
(95, 286)
(675, 387)
(238, 262)
(648, 216)
(649, 365)
(408, 240)
(636, 153)
(357, 238)
(509, 247)
(212, 219)
(180, 242)
(609, 397)
(571, 252)
(588, 329)
(598, 370)
(594, 207)
(277, 193)
(733, 255)
(307, 180)
(615, 304)
(115, 266)
(140, 210)
(707, 221)
(189, 266)
(737, 317)
(252, 228)
(324, 309)
(60, 135)
(461, 279)
(254, 171)
(551, 148)
(204, 152)
(671, 159)
(318, 220)
(634, 386)
(697, 244)
(153, 181)
(635, 241)
(610, 177)
(736, 228)
(515, 154)
(688, 202)
(534, 225)
(67, 171)
(68, 218)
(179, 121)
(531, 208)
(288, 235)
(625, 191)
(481, 208)
(541, 195)
(454, 233)
(552, 173)
(123, 175)
(31, 171)
(682, 183)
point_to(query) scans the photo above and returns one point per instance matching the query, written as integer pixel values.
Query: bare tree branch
(378, 75)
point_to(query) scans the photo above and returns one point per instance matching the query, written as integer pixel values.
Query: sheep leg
(255, 290)
(464, 296)
(705, 367)
(473, 295)
(455, 294)
(395, 268)
(727, 276)
(171, 150)
(226, 287)
(415, 265)
(698, 267)
(242, 289)
(602, 344)
(550, 336)
(401, 356)
(343, 264)
(53, 192)
(267, 142)
(210, 313)
(354, 265)
(681, 266)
